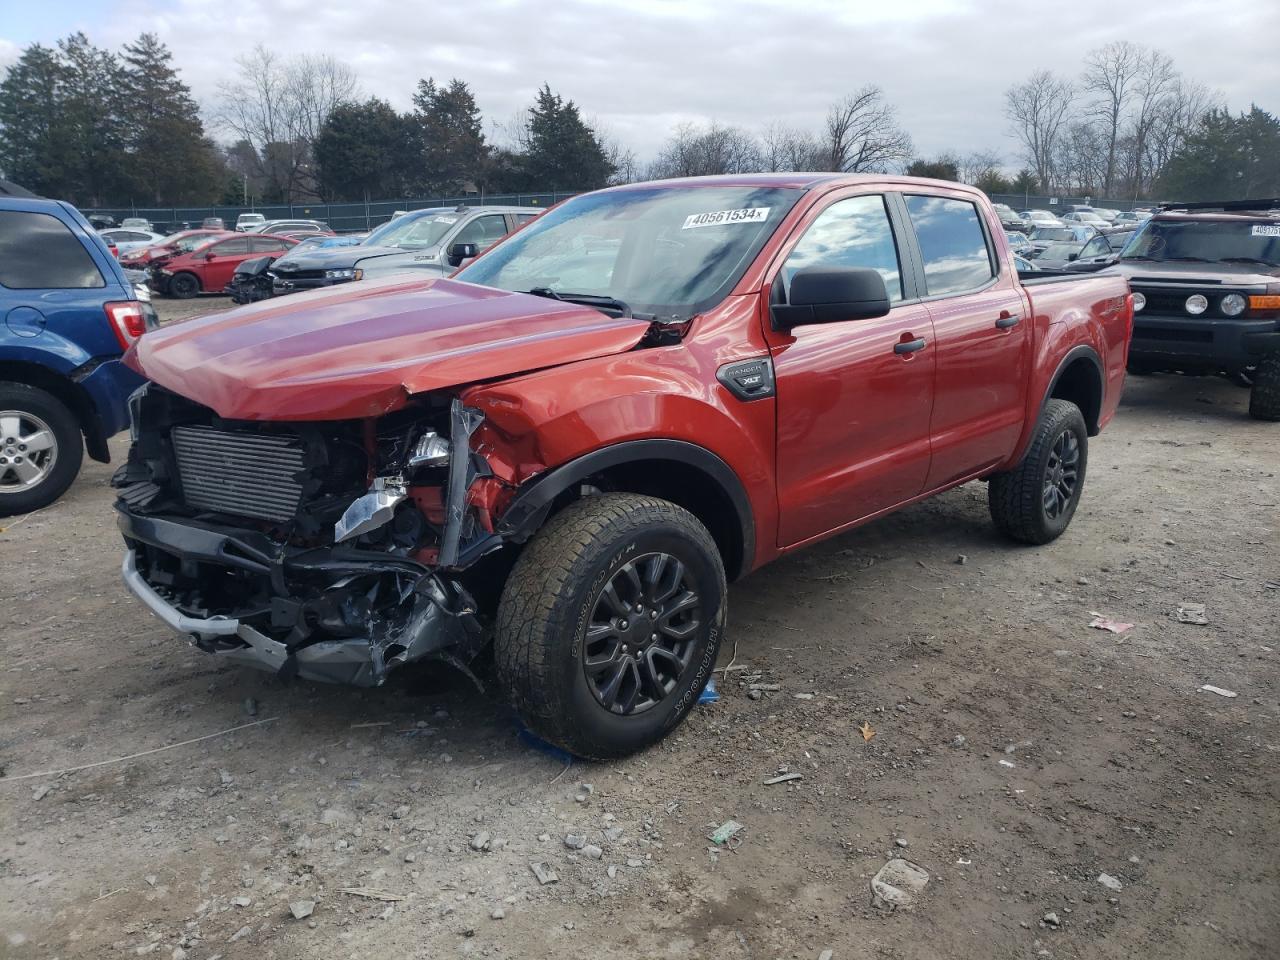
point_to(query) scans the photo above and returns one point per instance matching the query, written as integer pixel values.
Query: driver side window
(484, 231)
(854, 232)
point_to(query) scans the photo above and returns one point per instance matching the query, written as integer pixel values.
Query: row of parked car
(265, 258)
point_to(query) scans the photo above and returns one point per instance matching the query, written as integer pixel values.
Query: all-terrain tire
(553, 596)
(32, 409)
(1264, 398)
(184, 286)
(1017, 499)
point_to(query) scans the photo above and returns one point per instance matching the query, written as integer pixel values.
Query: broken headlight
(431, 450)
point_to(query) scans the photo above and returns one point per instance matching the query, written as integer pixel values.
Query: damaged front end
(331, 551)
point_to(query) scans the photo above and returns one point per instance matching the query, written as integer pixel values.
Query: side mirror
(1073, 256)
(830, 295)
(461, 251)
(210, 255)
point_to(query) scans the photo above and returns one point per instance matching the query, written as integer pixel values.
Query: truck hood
(362, 349)
(1188, 271)
(333, 258)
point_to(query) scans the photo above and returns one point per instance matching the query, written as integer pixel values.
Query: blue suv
(68, 312)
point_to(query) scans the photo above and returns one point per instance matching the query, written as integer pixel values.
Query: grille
(286, 273)
(245, 474)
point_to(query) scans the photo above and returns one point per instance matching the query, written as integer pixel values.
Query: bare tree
(279, 107)
(1111, 75)
(787, 148)
(696, 152)
(1155, 83)
(979, 166)
(1182, 109)
(1038, 110)
(862, 134)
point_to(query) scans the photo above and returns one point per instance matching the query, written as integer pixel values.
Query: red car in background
(208, 268)
(172, 245)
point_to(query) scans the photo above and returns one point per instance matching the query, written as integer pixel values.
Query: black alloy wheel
(640, 638)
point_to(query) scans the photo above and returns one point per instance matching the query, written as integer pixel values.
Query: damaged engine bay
(331, 551)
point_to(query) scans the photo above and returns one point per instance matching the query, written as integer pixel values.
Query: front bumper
(297, 595)
(283, 285)
(1200, 342)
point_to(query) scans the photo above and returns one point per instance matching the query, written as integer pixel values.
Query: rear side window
(854, 232)
(266, 244)
(39, 252)
(952, 243)
(231, 247)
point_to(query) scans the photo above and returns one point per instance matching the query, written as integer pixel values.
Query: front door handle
(909, 346)
(1007, 320)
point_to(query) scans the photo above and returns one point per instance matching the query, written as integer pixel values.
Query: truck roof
(800, 180)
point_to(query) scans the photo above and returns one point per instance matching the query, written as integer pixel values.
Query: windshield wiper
(591, 300)
(1265, 263)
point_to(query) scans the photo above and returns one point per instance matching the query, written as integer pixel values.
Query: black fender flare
(525, 513)
(1076, 353)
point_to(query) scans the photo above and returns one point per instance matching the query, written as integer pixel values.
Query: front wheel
(610, 623)
(1264, 397)
(184, 286)
(1035, 501)
(40, 448)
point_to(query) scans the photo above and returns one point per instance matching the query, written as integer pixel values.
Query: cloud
(641, 66)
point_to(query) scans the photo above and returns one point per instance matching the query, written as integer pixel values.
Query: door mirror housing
(461, 251)
(832, 294)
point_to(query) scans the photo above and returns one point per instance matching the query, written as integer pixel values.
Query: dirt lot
(1018, 754)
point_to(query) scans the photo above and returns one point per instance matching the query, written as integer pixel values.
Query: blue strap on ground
(530, 739)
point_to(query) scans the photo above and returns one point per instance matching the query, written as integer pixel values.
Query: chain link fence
(341, 217)
(362, 217)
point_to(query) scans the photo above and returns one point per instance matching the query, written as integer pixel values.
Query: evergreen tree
(362, 151)
(170, 159)
(91, 106)
(1226, 158)
(449, 137)
(35, 141)
(944, 168)
(562, 152)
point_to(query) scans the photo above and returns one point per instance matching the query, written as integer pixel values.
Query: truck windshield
(417, 233)
(670, 251)
(1211, 241)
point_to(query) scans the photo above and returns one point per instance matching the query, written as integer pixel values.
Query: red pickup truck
(565, 450)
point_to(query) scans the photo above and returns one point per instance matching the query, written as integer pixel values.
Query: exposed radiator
(237, 472)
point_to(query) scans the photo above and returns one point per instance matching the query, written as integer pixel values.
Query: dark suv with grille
(1206, 285)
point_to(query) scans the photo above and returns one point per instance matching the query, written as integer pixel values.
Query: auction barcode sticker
(1262, 230)
(717, 217)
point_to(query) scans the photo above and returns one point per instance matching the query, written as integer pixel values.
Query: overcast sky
(639, 68)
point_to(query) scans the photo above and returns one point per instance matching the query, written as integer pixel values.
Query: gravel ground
(1017, 756)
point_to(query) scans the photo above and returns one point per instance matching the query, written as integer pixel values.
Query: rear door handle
(909, 346)
(1007, 320)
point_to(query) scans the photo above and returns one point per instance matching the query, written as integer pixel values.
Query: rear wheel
(1035, 501)
(610, 623)
(1264, 398)
(184, 286)
(40, 448)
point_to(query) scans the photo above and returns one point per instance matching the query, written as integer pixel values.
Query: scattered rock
(1189, 612)
(900, 843)
(251, 707)
(898, 884)
(226, 778)
(1110, 882)
(959, 740)
(480, 841)
(332, 816)
(40, 792)
(401, 811)
(240, 934)
(545, 874)
(1050, 919)
(826, 955)
(962, 559)
(592, 851)
(240, 901)
(301, 909)
(613, 870)
(612, 834)
(497, 914)
(574, 842)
